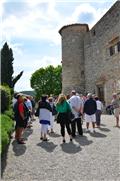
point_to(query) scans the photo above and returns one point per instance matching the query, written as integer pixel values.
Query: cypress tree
(7, 67)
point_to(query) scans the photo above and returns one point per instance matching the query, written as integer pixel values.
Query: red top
(21, 108)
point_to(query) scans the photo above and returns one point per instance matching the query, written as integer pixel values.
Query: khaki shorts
(117, 112)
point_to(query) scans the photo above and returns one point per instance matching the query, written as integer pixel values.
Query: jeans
(98, 117)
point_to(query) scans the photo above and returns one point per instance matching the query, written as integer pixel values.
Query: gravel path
(93, 157)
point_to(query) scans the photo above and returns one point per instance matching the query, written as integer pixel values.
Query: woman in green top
(63, 109)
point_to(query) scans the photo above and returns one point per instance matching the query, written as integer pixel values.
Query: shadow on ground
(70, 148)
(98, 135)
(103, 125)
(19, 149)
(27, 133)
(83, 140)
(4, 160)
(104, 129)
(54, 135)
(48, 146)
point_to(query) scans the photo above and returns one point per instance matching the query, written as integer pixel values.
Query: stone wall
(98, 62)
(86, 59)
(73, 58)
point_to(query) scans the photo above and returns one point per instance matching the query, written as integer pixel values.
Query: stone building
(91, 58)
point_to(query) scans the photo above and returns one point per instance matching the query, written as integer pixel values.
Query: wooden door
(100, 90)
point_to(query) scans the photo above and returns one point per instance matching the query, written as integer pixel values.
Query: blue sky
(31, 29)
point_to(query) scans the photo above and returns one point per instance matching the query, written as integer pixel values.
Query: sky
(31, 27)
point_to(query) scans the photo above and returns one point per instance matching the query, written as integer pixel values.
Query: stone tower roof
(75, 24)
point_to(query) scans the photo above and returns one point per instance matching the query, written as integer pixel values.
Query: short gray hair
(89, 95)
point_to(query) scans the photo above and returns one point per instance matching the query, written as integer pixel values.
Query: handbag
(58, 119)
(71, 116)
(54, 111)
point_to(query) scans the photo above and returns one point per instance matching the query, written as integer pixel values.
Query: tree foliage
(47, 81)
(7, 67)
(5, 98)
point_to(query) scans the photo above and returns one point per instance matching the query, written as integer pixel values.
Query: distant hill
(31, 93)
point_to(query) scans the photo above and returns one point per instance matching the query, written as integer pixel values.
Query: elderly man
(90, 108)
(77, 109)
(116, 106)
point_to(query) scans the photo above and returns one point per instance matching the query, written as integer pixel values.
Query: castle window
(118, 46)
(112, 50)
(114, 46)
(82, 73)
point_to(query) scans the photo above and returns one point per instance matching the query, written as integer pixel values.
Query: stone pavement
(93, 157)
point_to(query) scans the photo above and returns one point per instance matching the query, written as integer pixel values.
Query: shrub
(4, 140)
(5, 98)
(7, 125)
(9, 113)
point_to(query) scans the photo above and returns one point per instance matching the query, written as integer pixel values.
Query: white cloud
(85, 8)
(33, 24)
(31, 64)
(38, 24)
(40, 21)
(30, 67)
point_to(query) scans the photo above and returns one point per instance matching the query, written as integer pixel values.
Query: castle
(91, 58)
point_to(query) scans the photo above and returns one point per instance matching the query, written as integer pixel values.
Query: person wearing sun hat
(76, 104)
(44, 111)
(54, 112)
(116, 106)
(90, 108)
(19, 116)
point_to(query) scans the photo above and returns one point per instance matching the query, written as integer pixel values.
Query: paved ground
(93, 157)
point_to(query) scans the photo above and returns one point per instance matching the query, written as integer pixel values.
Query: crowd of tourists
(24, 115)
(68, 111)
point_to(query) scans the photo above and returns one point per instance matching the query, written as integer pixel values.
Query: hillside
(31, 93)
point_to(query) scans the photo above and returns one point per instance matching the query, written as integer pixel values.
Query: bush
(7, 126)
(5, 98)
(4, 140)
(9, 113)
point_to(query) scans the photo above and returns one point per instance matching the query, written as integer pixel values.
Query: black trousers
(67, 125)
(77, 122)
(64, 122)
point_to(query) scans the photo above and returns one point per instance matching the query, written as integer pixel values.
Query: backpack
(16, 111)
(54, 111)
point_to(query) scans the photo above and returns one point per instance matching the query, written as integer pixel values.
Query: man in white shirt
(116, 106)
(99, 111)
(77, 109)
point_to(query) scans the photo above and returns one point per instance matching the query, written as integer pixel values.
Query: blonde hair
(61, 99)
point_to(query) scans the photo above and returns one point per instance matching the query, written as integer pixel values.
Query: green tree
(7, 67)
(47, 81)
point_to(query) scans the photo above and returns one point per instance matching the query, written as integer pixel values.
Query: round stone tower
(73, 74)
